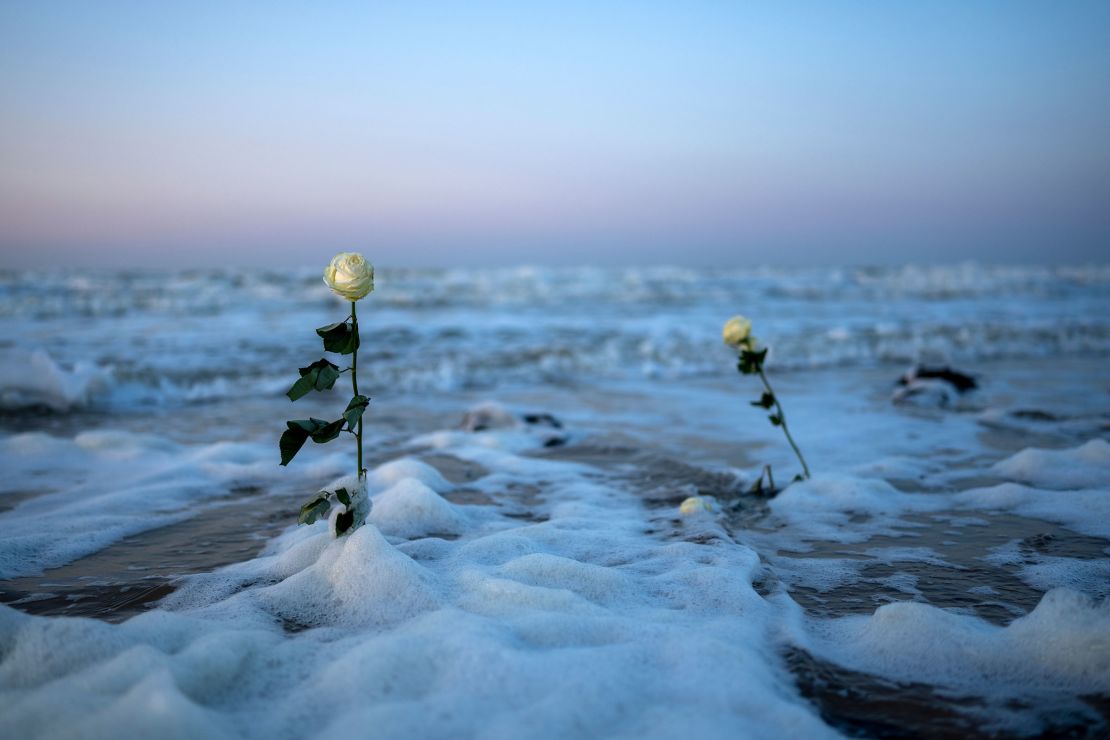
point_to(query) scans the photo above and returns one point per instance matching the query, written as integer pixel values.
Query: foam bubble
(357, 580)
(393, 472)
(1086, 466)
(1063, 644)
(843, 508)
(1086, 576)
(1087, 512)
(409, 508)
(107, 484)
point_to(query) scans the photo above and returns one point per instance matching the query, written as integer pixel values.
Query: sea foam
(560, 603)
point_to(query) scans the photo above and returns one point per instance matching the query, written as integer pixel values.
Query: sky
(138, 134)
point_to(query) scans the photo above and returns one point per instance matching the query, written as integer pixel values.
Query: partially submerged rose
(694, 504)
(737, 331)
(350, 276)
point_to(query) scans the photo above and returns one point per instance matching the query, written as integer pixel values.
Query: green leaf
(303, 385)
(776, 420)
(751, 362)
(328, 431)
(354, 411)
(327, 377)
(299, 430)
(765, 401)
(314, 509)
(291, 442)
(320, 375)
(308, 426)
(343, 496)
(344, 522)
(341, 338)
(319, 430)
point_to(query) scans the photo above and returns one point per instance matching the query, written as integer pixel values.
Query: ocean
(946, 571)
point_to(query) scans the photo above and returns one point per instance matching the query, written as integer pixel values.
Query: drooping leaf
(303, 385)
(751, 362)
(314, 508)
(328, 431)
(320, 375)
(765, 401)
(344, 522)
(308, 426)
(341, 338)
(292, 439)
(327, 376)
(354, 411)
(343, 496)
(321, 431)
(299, 430)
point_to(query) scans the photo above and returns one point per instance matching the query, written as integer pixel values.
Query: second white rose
(737, 330)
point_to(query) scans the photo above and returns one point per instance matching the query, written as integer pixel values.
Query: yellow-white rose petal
(350, 276)
(694, 504)
(736, 331)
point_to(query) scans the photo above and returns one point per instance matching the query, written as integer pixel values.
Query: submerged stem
(354, 384)
(782, 420)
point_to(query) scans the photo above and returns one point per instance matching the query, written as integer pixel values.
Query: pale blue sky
(701, 133)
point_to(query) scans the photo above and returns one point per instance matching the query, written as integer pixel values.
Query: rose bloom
(737, 331)
(350, 276)
(693, 505)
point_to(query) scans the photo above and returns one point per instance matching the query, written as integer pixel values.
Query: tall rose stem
(354, 384)
(782, 420)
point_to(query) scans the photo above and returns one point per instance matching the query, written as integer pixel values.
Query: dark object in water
(1034, 415)
(488, 416)
(491, 415)
(553, 438)
(962, 382)
(543, 418)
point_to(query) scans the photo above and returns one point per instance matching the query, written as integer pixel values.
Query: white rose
(350, 276)
(737, 331)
